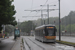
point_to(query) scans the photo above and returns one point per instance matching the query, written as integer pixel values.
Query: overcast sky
(21, 5)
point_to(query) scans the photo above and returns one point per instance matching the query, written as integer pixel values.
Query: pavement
(6, 44)
(1, 38)
(18, 44)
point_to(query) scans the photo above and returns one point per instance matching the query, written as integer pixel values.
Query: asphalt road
(7, 44)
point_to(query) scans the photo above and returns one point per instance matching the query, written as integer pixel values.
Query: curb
(24, 45)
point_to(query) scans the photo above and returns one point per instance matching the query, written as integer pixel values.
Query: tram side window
(46, 33)
(36, 33)
(40, 32)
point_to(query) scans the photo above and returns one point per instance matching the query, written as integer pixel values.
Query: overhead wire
(53, 2)
(31, 7)
(39, 6)
(45, 4)
(42, 7)
(34, 7)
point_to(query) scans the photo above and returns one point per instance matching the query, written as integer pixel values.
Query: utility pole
(18, 23)
(32, 25)
(41, 17)
(59, 23)
(48, 12)
(44, 18)
(70, 24)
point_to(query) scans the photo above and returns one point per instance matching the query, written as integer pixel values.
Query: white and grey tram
(46, 33)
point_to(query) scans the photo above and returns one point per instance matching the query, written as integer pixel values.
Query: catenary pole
(48, 12)
(59, 23)
(41, 17)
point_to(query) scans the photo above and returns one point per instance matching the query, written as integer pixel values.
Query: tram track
(37, 44)
(53, 45)
(46, 46)
(27, 45)
(44, 43)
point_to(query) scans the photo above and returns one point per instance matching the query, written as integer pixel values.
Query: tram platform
(18, 44)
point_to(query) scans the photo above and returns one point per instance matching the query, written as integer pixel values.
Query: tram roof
(44, 26)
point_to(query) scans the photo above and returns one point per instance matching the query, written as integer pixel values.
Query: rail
(37, 44)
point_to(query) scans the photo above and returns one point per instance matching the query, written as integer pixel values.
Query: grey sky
(21, 5)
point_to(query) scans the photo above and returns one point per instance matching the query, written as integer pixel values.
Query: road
(32, 44)
(69, 38)
(7, 44)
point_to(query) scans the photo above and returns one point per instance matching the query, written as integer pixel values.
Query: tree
(6, 13)
(27, 26)
(9, 28)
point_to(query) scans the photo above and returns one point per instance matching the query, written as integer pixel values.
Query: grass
(64, 42)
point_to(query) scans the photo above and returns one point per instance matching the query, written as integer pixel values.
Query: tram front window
(50, 32)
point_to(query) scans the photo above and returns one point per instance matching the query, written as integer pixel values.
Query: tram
(46, 33)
